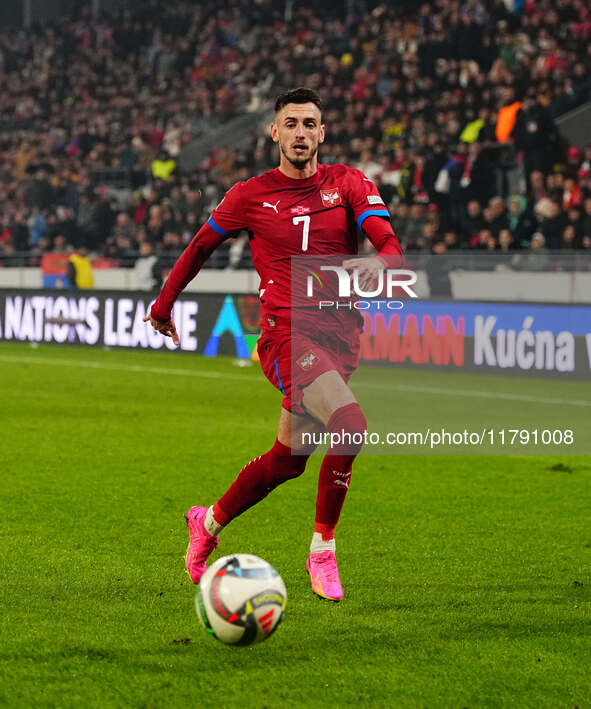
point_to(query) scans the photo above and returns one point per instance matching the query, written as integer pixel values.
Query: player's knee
(284, 465)
(347, 426)
(349, 418)
(294, 467)
(358, 422)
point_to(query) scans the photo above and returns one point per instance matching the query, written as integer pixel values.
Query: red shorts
(292, 362)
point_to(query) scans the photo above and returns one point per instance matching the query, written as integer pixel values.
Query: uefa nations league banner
(478, 337)
(208, 324)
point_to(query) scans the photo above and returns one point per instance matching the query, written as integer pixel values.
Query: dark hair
(299, 95)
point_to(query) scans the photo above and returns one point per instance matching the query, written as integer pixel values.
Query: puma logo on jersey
(272, 206)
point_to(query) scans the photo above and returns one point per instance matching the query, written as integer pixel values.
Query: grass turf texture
(467, 578)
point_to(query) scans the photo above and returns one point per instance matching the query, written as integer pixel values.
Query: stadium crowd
(448, 106)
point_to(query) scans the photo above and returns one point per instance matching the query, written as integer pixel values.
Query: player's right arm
(226, 218)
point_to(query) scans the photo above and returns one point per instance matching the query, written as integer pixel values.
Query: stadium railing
(550, 276)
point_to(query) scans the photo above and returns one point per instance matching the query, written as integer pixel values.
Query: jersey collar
(295, 182)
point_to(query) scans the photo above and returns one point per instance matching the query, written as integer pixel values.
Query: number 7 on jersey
(306, 222)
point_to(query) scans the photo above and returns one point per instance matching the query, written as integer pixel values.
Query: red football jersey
(288, 217)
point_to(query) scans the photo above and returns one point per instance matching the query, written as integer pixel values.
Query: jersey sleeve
(228, 216)
(185, 269)
(364, 198)
(384, 240)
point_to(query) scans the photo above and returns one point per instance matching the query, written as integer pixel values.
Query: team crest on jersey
(331, 197)
(308, 360)
(300, 209)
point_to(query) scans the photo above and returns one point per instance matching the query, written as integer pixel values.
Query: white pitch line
(126, 367)
(485, 394)
(141, 369)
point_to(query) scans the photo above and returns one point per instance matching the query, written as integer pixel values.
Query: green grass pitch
(467, 578)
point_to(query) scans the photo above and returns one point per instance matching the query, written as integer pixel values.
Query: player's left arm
(381, 234)
(373, 218)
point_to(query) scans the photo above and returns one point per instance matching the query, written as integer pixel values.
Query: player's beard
(299, 162)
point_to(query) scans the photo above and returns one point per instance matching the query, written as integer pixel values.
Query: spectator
(401, 84)
(483, 240)
(163, 166)
(569, 237)
(438, 271)
(80, 270)
(400, 217)
(472, 220)
(495, 216)
(450, 239)
(575, 217)
(236, 251)
(172, 246)
(522, 223)
(368, 165)
(414, 227)
(551, 222)
(537, 258)
(506, 241)
(124, 227)
(37, 225)
(122, 250)
(60, 245)
(537, 187)
(535, 134)
(147, 271)
(101, 220)
(571, 195)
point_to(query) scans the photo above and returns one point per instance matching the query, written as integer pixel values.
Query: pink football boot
(324, 575)
(201, 543)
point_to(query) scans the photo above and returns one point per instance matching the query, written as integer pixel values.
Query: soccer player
(300, 208)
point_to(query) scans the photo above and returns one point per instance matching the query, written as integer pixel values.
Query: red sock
(335, 473)
(256, 480)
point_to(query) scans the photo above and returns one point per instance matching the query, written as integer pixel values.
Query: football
(240, 599)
